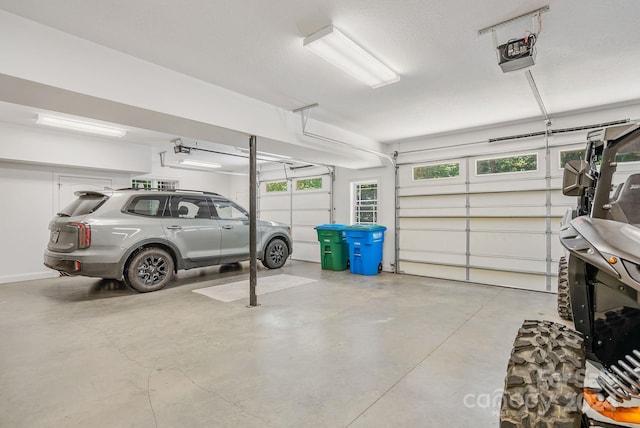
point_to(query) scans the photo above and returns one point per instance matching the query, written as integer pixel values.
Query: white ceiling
(587, 54)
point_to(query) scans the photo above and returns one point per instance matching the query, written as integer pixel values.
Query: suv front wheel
(149, 270)
(276, 254)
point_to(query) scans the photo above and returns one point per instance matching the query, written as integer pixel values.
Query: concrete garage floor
(345, 351)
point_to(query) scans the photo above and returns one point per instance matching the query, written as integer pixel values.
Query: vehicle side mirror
(577, 177)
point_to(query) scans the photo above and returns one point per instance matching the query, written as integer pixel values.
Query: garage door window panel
(309, 184)
(276, 186)
(507, 165)
(430, 172)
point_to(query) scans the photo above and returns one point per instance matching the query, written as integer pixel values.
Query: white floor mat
(240, 290)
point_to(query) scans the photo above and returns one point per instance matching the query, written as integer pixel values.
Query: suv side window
(147, 205)
(188, 206)
(227, 210)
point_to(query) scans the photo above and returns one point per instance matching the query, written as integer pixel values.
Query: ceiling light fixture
(77, 125)
(201, 164)
(335, 47)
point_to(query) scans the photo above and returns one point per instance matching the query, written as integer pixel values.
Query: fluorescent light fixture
(77, 125)
(335, 47)
(201, 164)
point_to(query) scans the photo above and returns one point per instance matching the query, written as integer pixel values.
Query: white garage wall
(24, 220)
(34, 162)
(238, 190)
(385, 177)
(50, 147)
(29, 195)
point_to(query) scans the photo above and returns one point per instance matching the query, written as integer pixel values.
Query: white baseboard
(27, 276)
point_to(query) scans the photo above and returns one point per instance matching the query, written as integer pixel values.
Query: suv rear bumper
(77, 265)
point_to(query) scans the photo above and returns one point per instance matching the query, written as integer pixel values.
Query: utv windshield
(625, 184)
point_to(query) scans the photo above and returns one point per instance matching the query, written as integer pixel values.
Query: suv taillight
(84, 234)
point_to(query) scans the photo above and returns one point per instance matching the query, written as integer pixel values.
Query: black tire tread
(130, 271)
(564, 299)
(266, 260)
(543, 385)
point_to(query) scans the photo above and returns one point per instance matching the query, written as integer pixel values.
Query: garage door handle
(174, 227)
(227, 226)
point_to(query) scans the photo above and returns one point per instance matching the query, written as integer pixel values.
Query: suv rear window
(85, 204)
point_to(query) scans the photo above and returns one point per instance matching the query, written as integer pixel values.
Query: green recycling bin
(334, 251)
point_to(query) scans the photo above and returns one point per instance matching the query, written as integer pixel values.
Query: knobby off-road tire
(564, 299)
(543, 387)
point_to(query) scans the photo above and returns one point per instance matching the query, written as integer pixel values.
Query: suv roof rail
(170, 190)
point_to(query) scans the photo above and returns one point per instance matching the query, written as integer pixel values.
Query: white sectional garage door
(491, 228)
(305, 203)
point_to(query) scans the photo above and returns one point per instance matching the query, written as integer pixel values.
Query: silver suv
(144, 236)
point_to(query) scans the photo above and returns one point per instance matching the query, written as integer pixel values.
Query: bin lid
(331, 227)
(366, 227)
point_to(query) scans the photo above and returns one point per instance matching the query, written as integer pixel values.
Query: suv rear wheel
(276, 254)
(149, 270)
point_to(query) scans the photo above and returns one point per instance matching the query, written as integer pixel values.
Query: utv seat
(626, 207)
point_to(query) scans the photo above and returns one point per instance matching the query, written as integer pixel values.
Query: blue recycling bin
(365, 248)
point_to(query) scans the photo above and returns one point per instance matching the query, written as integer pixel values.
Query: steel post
(253, 208)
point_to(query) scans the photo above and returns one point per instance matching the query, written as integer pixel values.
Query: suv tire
(149, 270)
(275, 254)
